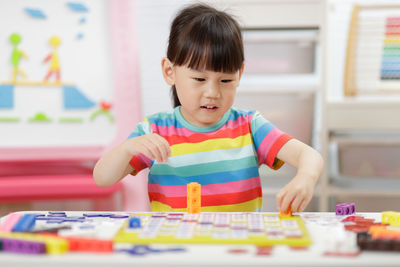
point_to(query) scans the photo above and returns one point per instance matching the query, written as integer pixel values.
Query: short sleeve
(268, 140)
(140, 161)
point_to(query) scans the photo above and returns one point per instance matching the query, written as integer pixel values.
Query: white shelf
(363, 138)
(364, 114)
(282, 83)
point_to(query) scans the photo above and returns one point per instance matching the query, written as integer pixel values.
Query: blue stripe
(261, 133)
(390, 70)
(138, 131)
(211, 178)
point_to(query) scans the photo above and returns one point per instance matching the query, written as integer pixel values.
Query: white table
(319, 225)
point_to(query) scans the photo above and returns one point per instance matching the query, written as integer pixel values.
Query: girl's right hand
(152, 146)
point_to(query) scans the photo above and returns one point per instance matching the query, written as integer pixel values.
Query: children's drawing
(53, 58)
(51, 80)
(77, 7)
(72, 96)
(35, 13)
(16, 55)
(104, 110)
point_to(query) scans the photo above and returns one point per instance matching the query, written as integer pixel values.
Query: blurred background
(76, 77)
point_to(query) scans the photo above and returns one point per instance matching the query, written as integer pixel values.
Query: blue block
(25, 224)
(134, 222)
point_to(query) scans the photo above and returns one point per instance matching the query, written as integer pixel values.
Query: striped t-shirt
(223, 158)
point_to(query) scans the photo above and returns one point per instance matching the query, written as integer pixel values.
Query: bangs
(210, 43)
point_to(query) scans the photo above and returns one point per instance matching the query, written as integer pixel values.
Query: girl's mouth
(208, 107)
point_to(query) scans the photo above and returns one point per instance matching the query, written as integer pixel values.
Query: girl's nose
(212, 91)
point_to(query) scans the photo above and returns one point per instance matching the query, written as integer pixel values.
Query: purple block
(23, 246)
(345, 209)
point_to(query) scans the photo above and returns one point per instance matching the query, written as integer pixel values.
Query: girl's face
(205, 96)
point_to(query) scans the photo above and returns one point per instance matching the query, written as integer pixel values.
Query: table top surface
(322, 227)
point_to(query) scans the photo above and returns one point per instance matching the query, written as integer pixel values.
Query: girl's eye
(199, 79)
(226, 81)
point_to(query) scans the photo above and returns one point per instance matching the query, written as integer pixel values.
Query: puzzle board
(216, 228)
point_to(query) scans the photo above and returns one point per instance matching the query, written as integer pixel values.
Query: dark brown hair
(204, 38)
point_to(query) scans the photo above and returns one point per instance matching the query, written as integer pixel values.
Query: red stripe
(283, 139)
(392, 33)
(211, 200)
(198, 137)
(137, 164)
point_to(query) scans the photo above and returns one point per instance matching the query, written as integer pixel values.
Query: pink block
(10, 222)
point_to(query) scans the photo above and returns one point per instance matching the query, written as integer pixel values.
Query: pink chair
(24, 181)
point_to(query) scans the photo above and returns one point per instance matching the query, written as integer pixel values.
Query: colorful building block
(288, 212)
(90, 244)
(366, 241)
(391, 217)
(9, 223)
(53, 244)
(23, 246)
(345, 209)
(25, 224)
(193, 197)
(134, 222)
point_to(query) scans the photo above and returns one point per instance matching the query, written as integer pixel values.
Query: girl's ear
(241, 71)
(168, 71)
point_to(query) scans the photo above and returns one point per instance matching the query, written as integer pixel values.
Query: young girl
(204, 139)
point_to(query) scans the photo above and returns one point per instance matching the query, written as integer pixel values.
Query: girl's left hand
(296, 195)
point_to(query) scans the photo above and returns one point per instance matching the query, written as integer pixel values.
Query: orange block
(90, 244)
(193, 197)
(288, 213)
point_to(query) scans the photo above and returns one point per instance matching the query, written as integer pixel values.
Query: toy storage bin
(369, 160)
(280, 51)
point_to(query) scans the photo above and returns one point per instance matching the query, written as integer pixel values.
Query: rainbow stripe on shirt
(223, 158)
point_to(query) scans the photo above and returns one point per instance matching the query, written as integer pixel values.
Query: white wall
(153, 23)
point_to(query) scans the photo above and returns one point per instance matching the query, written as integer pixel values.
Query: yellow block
(391, 217)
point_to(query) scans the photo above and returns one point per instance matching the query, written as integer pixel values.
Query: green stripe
(71, 120)
(205, 168)
(162, 116)
(392, 53)
(257, 122)
(392, 47)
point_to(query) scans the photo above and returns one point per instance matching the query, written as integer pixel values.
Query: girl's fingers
(296, 203)
(160, 147)
(164, 148)
(286, 202)
(302, 205)
(279, 199)
(152, 150)
(305, 203)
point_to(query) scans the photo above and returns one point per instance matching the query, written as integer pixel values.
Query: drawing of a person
(16, 55)
(53, 58)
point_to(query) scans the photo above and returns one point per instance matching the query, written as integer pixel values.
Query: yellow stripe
(158, 206)
(209, 145)
(241, 207)
(391, 41)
